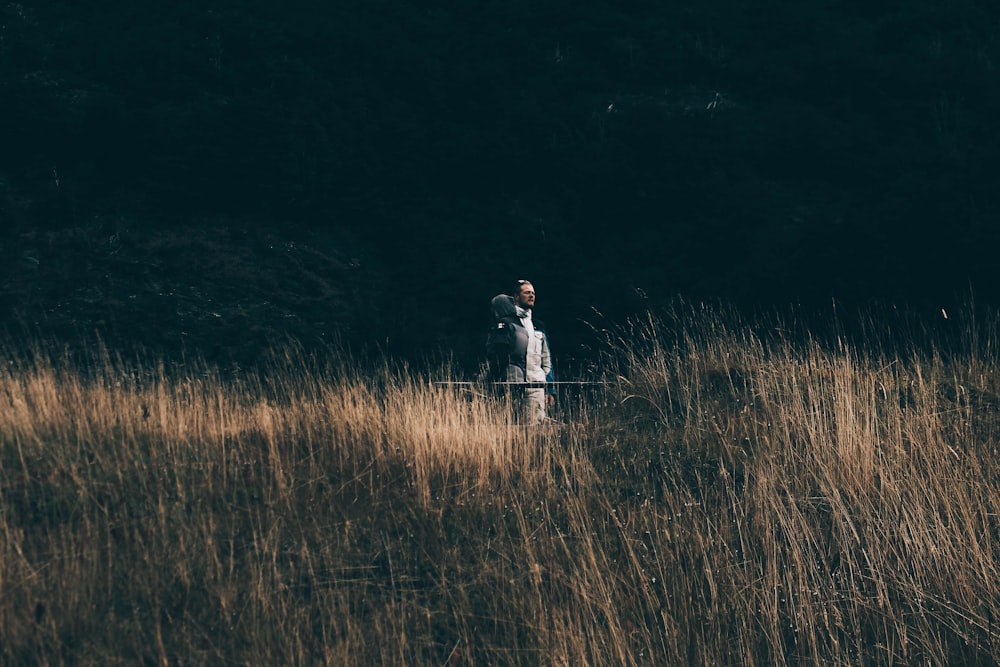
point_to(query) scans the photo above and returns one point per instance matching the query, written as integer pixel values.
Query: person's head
(524, 294)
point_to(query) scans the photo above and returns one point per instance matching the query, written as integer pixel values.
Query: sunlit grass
(743, 495)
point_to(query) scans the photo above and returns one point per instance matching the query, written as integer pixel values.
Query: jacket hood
(503, 306)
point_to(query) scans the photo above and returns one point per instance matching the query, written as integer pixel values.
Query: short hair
(518, 285)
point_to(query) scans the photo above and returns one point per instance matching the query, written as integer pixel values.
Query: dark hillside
(765, 153)
(225, 293)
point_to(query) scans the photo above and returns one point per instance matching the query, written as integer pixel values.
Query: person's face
(526, 297)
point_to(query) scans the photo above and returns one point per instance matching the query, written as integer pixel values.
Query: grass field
(745, 493)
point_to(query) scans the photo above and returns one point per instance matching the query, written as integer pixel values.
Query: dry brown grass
(742, 497)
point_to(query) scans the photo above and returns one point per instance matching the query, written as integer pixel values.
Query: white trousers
(533, 406)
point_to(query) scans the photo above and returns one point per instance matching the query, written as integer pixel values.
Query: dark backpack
(501, 337)
(499, 343)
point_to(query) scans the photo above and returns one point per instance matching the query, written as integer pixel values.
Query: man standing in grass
(518, 349)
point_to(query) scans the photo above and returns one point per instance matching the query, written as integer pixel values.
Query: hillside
(738, 497)
(222, 293)
(617, 153)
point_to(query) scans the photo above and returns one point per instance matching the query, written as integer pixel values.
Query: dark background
(214, 175)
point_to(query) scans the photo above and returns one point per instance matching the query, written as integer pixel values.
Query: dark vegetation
(216, 176)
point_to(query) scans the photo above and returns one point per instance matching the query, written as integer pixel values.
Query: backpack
(500, 339)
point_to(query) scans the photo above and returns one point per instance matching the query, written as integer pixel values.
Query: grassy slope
(741, 499)
(216, 289)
